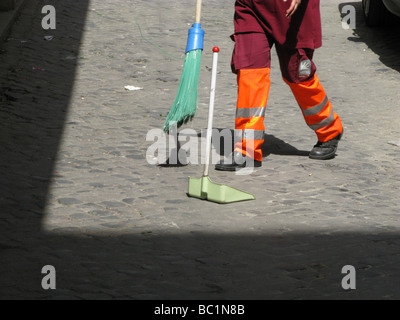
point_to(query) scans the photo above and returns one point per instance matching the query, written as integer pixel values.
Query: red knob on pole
(215, 49)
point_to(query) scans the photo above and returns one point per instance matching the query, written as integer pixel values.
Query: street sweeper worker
(294, 27)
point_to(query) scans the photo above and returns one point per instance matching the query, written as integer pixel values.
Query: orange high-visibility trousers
(317, 109)
(253, 90)
(251, 61)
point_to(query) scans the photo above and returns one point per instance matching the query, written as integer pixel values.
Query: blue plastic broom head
(195, 38)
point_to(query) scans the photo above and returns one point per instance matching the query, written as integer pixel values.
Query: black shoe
(238, 162)
(325, 150)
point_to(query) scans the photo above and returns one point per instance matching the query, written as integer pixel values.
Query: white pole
(211, 111)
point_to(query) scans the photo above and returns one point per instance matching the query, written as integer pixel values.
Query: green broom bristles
(185, 104)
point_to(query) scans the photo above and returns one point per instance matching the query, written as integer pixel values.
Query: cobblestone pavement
(78, 192)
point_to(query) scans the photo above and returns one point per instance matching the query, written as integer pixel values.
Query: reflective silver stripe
(250, 112)
(250, 134)
(316, 109)
(323, 123)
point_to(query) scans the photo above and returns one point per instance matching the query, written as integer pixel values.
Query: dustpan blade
(204, 188)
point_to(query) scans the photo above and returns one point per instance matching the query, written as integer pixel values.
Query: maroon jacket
(302, 30)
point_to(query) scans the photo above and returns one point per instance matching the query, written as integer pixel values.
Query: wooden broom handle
(198, 11)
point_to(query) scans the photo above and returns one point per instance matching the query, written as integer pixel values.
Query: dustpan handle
(211, 111)
(198, 11)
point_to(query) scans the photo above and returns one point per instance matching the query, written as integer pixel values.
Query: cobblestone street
(78, 192)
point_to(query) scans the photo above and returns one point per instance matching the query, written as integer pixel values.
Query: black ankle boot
(325, 150)
(238, 162)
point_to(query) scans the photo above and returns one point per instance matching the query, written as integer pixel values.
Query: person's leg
(253, 89)
(299, 72)
(251, 62)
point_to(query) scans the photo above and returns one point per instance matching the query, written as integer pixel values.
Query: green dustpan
(204, 188)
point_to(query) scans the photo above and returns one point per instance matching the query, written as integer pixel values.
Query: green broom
(185, 104)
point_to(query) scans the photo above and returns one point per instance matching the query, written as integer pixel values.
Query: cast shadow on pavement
(274, 145)
(271, 145)
(34, 101)
(383, 40)
(206, 266)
